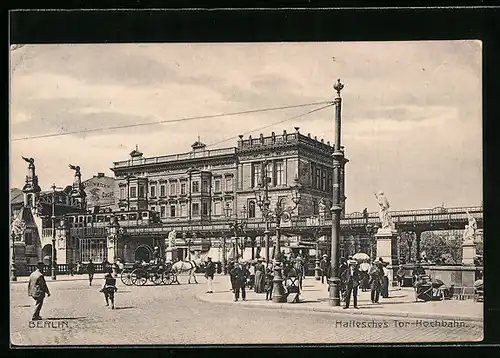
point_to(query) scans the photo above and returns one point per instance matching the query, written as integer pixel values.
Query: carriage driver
(157, 260)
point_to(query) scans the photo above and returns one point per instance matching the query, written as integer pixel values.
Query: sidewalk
(314, 297)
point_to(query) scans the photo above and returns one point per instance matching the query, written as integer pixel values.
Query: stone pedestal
(468, 252)
(111, 242)
(387, 240)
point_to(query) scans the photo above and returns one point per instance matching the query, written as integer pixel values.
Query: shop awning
(247, 254)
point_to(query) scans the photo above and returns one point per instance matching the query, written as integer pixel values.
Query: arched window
(251, 209)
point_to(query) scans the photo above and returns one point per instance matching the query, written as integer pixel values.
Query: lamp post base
(334, 298)
(317, 271)
(13, 276)
(278, 289)
(53, 273)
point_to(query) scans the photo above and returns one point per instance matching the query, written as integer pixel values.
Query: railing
(175, 157)
(222, 224)
(61, 269)
(88, 231)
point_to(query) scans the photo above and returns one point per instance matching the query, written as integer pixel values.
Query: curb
(287, 306)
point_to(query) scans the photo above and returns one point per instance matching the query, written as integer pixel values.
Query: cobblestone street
(172, 315)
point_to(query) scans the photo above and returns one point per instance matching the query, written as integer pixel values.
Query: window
(133, 192)
(28, 238)
(152, 191)
(162, 211)
(162, 190)
(196, 187)
(217, 207)
(153, 208)
(204, 186)
(329, 184)
(318, 178)
(269, 171)
(183, 210)
(251, 209)
(122, 193)
(280, 174)
(183, 188)
(173, 189)
(217, 186)
(141, 191)
(204, 208)
(315, 207)
(323, 180)
(256, 169)
(196, 209)
(229, 184)
(172, 211)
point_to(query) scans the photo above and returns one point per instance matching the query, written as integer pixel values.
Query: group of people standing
(256, 275)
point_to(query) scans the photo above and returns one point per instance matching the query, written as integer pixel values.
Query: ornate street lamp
(237, 227)
(338, 168)
(16, 233)
(317, 269)
(279, 214)
(54, 252)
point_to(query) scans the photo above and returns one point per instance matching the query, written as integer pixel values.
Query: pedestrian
(70, 267)
(37, 289)
(401, 276)
(259, 277)
(209, 274)
(364, 268)
(385, 280)
(343, 266)
(90, 271)
(323, 265)
(251, 278)
(375, 281)
(268, 284)
(240, 274)
(230, 267)
(109, 289)
(351, 279)
(78, 267)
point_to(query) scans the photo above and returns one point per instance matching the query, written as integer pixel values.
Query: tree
(406, 248)
(441, 247)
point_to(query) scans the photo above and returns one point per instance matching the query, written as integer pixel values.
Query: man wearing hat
(351, 279)
(209, 273)
(37, 288)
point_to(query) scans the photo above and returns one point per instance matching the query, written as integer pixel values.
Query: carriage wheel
(126, 278)
(157, 278)
(139, 277)
(168, 278)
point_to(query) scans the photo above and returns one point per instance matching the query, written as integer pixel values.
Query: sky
(411, 111)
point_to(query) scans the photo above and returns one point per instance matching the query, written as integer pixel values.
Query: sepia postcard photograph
(246, 193)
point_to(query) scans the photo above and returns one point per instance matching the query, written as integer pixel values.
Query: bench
(292, 286)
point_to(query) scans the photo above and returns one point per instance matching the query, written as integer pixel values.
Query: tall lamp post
(54, 251)
(338, 164)
(317, 269)
(236, 225)
(278, 214)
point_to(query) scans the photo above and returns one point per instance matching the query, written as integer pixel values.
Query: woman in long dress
(259, 277)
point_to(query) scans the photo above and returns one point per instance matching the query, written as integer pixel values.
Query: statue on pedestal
(384, 215)
(171, 239)
(31, 166)
(470, 229)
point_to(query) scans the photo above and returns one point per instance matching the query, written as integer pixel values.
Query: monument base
(468, 253)
(171, 254)
(385, 244)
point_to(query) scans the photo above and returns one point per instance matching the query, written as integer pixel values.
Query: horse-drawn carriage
(139, 274)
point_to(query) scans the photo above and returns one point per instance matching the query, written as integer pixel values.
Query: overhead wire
(171, 121)
(272, 124)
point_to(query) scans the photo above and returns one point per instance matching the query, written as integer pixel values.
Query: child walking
(268, 285)
(109, 289)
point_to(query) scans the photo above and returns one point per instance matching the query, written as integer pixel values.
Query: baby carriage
(428, 290)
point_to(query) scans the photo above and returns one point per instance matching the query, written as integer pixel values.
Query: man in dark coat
(90, 271)
(324, 266)
(209, 273)
(37, 288)
(240, 274)
(351, 279)
(343, 266)
(375, 281)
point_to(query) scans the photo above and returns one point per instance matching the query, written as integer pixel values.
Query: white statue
(171, 238)
(322, 207)
(385, 216)
(470, 229)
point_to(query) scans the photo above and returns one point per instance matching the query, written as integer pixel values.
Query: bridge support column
(418, 234)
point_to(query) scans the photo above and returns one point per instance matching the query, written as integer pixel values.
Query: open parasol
(361, 256)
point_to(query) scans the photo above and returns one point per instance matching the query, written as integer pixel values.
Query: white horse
(188, 266)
